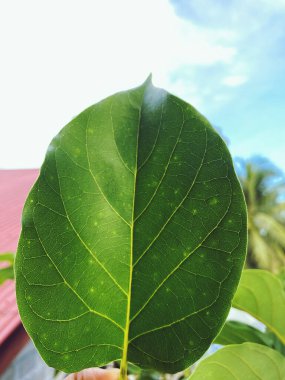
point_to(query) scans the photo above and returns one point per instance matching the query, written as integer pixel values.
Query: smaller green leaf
(134, 369)
(275, 342)
(249, 361)
(7, 256)
(6, 274)
(261, 294)
(235, 332)
(147, 374)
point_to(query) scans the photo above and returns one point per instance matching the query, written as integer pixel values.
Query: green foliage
(262, 295)
(7, 257)
(237, 332)
(242, 361)
(7, 272)
(264, 187)
(272, 340)
(133, 237)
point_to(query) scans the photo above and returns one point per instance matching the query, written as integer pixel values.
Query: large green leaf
(133, 238)
(261, 294)
(249, 361)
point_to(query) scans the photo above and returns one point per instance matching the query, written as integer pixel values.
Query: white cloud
(58, 57)
(234, 80)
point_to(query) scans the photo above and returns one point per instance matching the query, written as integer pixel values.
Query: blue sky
(227, 58)
(249, 106)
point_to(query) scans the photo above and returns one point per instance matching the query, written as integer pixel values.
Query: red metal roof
(14, 188)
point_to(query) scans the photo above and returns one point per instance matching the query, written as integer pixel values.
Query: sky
(226, 58)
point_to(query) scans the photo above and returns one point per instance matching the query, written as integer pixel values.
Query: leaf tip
(148, 80)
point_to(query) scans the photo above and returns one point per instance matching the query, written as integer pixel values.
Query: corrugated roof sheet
(14, 188)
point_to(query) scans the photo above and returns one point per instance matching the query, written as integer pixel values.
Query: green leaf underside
(242, 361)
(133, 238)
(261, 294)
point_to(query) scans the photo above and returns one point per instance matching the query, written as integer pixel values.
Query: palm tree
(264, 189)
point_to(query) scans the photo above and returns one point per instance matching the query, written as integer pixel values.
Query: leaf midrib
(123, 369)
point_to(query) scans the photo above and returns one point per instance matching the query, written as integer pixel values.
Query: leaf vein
(76, 294)
(87, 248)
(176, 209)
(165, 170)
(94, 178)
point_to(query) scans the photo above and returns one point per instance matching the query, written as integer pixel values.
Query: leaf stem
(124, 362)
